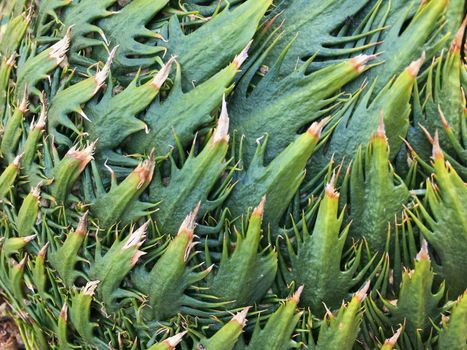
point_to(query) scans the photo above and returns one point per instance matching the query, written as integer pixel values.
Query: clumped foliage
(229, 175)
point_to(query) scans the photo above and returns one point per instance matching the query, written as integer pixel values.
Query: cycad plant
(229, 175)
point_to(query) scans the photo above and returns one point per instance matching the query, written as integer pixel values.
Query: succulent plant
(234, 175)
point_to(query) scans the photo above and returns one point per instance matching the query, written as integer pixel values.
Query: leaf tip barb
(163, 74)
(90, 288)
(137, 238)
(17, 161)
(259, 210)
(330, 188)
(23, 106)
(189, 224)
(241, 58)
(221, 133)
(296, 296)
(102, 75)
(317, 127)
(84, 156)
(43, 250)
(393, 340)
(240, 317)
(437, 152)
(362, 293)
(145, 170)
(82, 228)
(423, 253)
(172, 342)
(415, 66)
(381, 132)
(359, 62)
(64, 312)
(58, 50)
(457, 42)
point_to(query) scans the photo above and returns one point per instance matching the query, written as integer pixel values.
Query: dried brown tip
(381, 132)
(163, 74)
(42, 118)
(393, 340)
(43, 250)
(82, 228)
(358, 62)
(423, 253)
(136, 256)
(172, 342)
(58, 50)
(64, 312)
(457, 42)
(362, 293)
(241, 58)
(443, 118)
(22, 263)
(23, 106)
(145, 170)
(296, 296)
(241, 317)
(11, 60)
(189, 224)
(36, 191)
(80, 111)
(315, 129)
(28, 239)
(17, 161)
(83, 156)
(437, 152)
(330, 189)
(104, 73)
(259, 210)
(415, 66)
(90, 288)
(221, 133)
(137, 237)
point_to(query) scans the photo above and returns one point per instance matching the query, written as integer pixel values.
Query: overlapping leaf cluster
(228, 175)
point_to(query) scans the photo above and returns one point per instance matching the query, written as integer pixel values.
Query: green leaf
(312, 26)
(441, 105)
(228, 32)
(409, 35)
(279, 180)
(126, 28)
(167, 282)
(13, 34)
(244, 276)
(359, 118)
(377, 193)
(120, 203)
(183, 113)
(113, 118)
(416, 305)
(340, 332)
(277, 332)
(453, 335)
(193, 183)
(227, 336)
(111, 268)
(316, 262)
(71, 99)
(64, 257)
(80, 312)
(37, 67)
(445, 223)
(82, 15)
(281, 107)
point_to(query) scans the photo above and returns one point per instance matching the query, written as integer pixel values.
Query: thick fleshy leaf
(228, 32)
